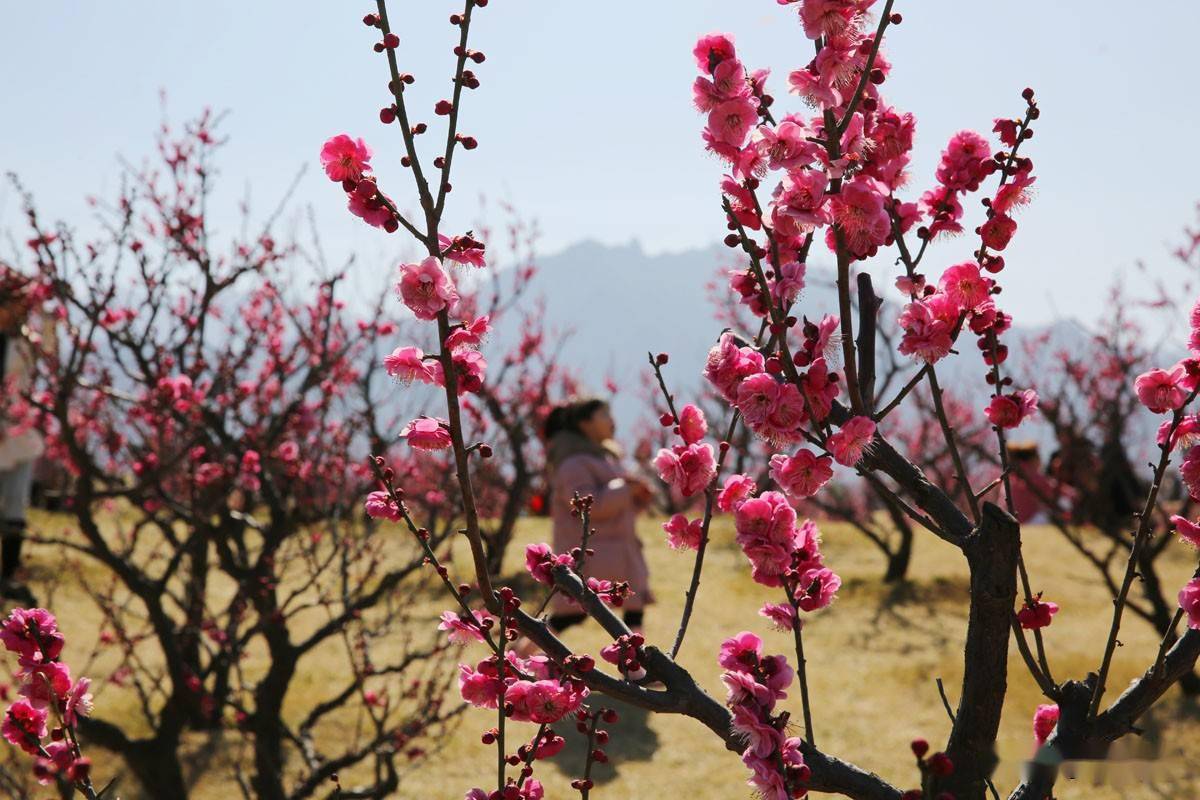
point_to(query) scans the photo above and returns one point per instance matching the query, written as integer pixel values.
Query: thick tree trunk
(992, 552)
(899, 559)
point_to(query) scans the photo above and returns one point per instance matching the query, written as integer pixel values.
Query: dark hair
(568, 416)
(1023, 452)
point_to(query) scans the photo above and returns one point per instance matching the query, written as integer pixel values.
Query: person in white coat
(20, 447)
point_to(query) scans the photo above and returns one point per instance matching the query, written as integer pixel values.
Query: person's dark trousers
(12, 537)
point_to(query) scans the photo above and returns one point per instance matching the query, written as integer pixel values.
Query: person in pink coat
(582, 457)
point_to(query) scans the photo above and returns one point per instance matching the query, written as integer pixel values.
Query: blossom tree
(832, 175)
(833, 180)
(215, 419)
(1097, 399)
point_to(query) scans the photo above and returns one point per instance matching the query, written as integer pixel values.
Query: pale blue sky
(584, 115)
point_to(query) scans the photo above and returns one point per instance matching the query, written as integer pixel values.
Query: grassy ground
(873, 660)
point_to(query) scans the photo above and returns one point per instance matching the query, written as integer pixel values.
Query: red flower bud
(941, 764)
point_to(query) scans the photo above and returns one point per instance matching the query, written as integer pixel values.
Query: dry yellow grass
(873, 661)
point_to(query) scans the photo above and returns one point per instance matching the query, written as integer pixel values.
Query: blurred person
(582, 457)
(20, 447)
(1036, 496)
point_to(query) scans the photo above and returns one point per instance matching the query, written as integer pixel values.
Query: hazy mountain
(619, 302)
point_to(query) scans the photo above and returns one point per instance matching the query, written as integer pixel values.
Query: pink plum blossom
(798, 204)
(46, 684)
(461, 250)
(1014, 193)
(1188, 531)
(740, 653)
(816, 588)
(1010, 410)
(460, 631)
(761, 738)
(781, 615)
(427, 433)
(407, 364)
(757, 397)
(692, 425)
(743, 688)
(24, 726)
(728, 82)
(1189, 601)
(712, 49)
(964, 285)
(728, 365)
(1045, 718)
(729, 123)
(380, 505)
(682, 534)
(801, 475)
(479, 687)
(925, 335)
(1189, 470)
(688, 468)
(470, 334)
(32, 634)
(371, 211)
(736, 489)
(426, 289)
(1194, 338)
(998, 231)
(786, 145)
(860, 214)
(1038, 614)
(540, 562)
(827, 18)
(543, 701)
(847, 443)
(1162, 390)
(963, 161)
(766, 532)
(78, 702)
(345, 159)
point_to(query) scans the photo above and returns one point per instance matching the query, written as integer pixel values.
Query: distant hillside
(621, 302)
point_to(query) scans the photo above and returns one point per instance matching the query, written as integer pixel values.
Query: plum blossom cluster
(348, 161)
(1165, 391)
(242, 409)
(689, 466)
(783, 553)
(771, 405)
(532, 689)
(755, 682)
(540, 562)
(43, 722)
(843, 181)
(1170, 391)
(625, 653)
(964, 295)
